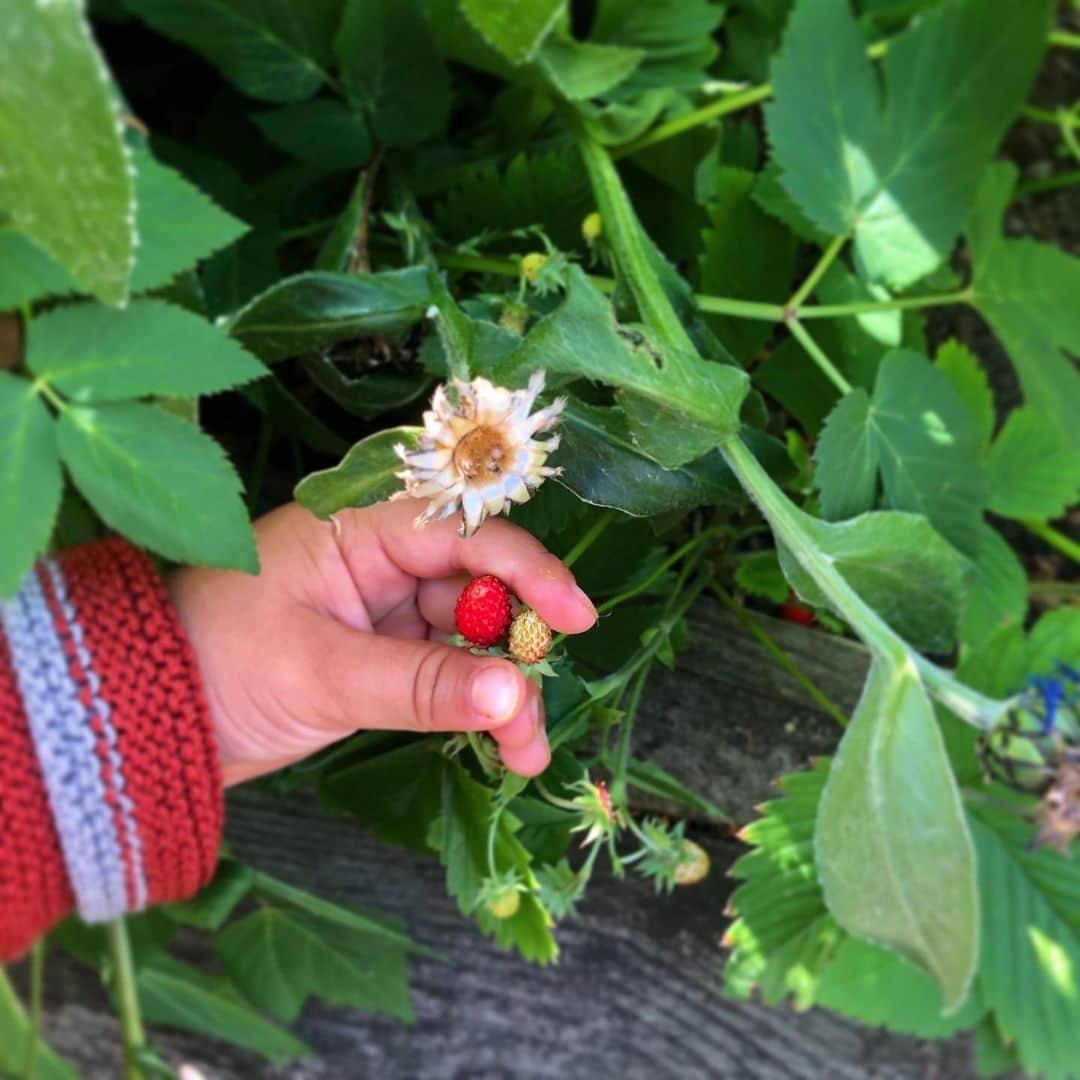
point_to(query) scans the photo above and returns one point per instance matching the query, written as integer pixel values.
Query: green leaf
(279, 958)
(66, 181)
(310, 311)
(879, 987)
(918, 433)
(581, 338)
(1031, 472)
(676, 35)
(95, 353)
(649, 777)
(27, 273)
(788, 376)
(782, 936)
(209, 909)
(516, 28)
(1030, 969)
(177, 224)
(898, 564)
(323, 132)
(893, 850)
(14, 1032)
(847, 459)
(771, 195)
(1026, 291)
(366, 475)
(391, 68)
(969, 381)
(761, 574)
(462, 834)
(277, 50)
(898, 162)
(603, 466)
(746, 255)
(30, 479)
(175, 995)
(157, 480)
(579, 70)
(998, 593)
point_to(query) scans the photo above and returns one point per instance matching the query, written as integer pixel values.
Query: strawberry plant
(716, 258)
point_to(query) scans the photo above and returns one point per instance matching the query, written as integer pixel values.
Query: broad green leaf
(880, 988)
(760, 574)
(782, 935)
(917, 432)
(177, 224)
(462, 835)
(898, 161)
(579, 70)
(676, 35)
(516, 28)
(322, 131)
(602, 466)
(998, 593)
(367, 474)
(65, 179)
(277, 50)
(175, 995)
(847, 460)
(900, 566)
(1029, 973)
(157, 480)
(1027, 292)
(746, 255)
(364, 395)
(581, 338)
(339, 243)
(391, 68)
(788, 376)
(14, 1043)
(27, 273)
(892, 845)
(210, 908)
(969, 381)
(280, 957)
(1031, 471)
(771, 195)
(30, 479)
(92, 353)
(310, 311)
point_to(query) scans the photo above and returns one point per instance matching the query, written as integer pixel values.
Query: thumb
(356, 679)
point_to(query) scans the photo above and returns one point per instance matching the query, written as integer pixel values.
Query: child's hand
(341, 631)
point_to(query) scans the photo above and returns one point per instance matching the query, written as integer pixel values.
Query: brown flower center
(479, 455)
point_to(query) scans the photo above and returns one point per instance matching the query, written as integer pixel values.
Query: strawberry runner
(110, 790)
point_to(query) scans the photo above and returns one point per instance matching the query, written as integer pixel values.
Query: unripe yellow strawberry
(505, 904)
(591, 227)
(693, 864)
(532, 264)
(530, 637)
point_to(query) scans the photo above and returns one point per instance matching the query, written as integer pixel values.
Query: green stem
(1050, 535)
(828, 256)
(1064, 39)
(37, 987)
(1049, 183)
(131, 1028)
(759, 634)
(866, 307)
(42, 387)
(622, 750)
(595, 531)
(1057, 118)
(1055, 589)
(817, 354)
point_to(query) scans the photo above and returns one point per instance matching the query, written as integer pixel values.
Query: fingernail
(584, 600)
(495, 694)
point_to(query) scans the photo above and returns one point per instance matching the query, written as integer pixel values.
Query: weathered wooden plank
(636, 991)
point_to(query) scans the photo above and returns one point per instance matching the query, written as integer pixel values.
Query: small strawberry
(504, 905)
(483, 612)
(796, 613)
(693, 864)
(530, 637)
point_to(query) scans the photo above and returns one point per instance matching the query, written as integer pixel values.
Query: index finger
(536, 576)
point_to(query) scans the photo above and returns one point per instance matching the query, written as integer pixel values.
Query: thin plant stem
(1048, 534)
(1064, 39)
(1057, 118)
(626, 730)
(42, 387)
(828, 256)
(131, 1027)
(359, 263)
(1049, 183)
(37, 990)
(1063, 590)
(867, 307)
(595, 531)
(817, 354)
(760, 635)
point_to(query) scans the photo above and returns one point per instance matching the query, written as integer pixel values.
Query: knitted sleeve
(110, 790)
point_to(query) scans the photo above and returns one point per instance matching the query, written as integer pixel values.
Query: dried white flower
(481, 454)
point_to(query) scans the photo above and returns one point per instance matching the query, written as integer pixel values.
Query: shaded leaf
(27, 273)
(578, 70)
(322, 131)
(998, 593)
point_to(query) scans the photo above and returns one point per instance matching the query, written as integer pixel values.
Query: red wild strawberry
(483, 613)
(796, 613)
(530, 637)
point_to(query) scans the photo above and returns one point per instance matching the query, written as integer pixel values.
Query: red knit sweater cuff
(103, 721)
